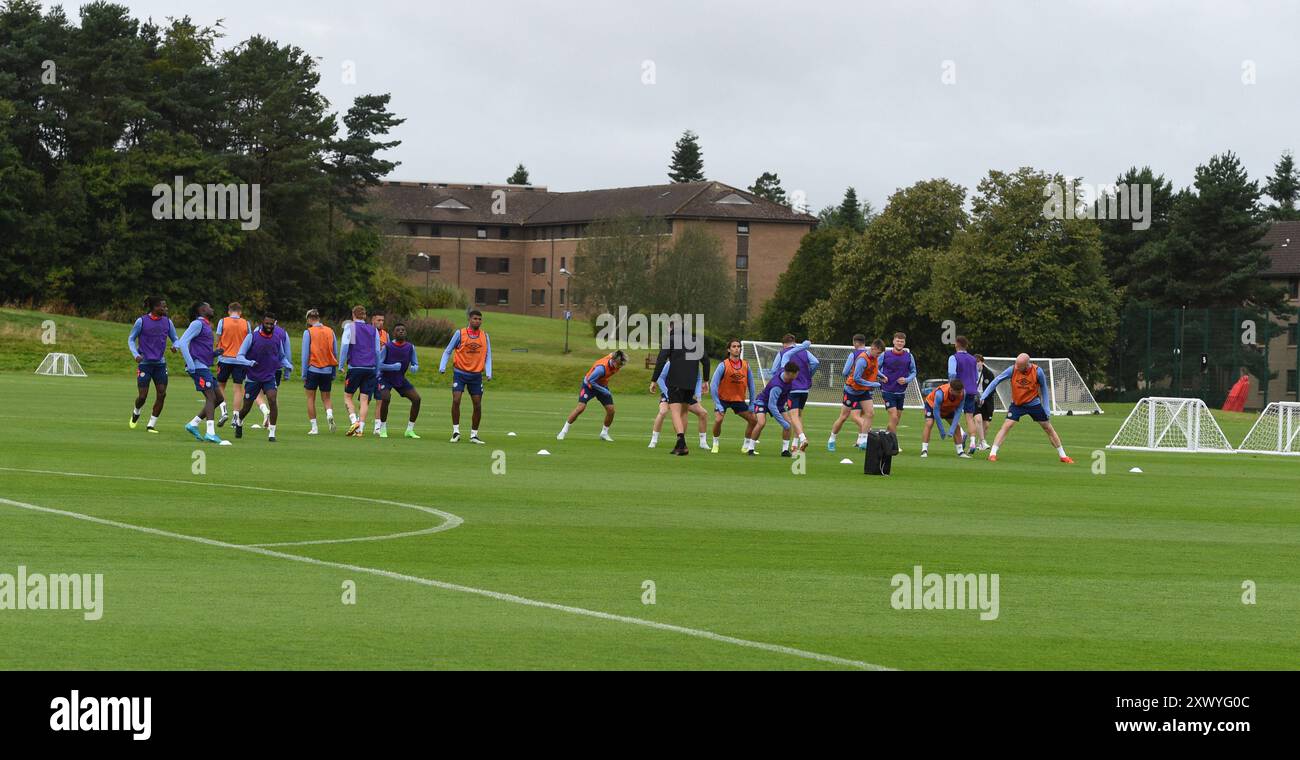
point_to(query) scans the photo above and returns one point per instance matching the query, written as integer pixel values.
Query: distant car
(931, 384)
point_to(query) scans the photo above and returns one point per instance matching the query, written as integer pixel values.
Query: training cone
(846, 460)
(543, 453)
(510, 434)
(1136, 469)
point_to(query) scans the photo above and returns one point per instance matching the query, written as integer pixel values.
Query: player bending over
(264, 354)
(148, 344)
(595, 384)
(945, 403)
(396, 358)
(807, 363)
(196, 346)
(471, 353)
(732, 388)
(1027, 384)
(774, 396)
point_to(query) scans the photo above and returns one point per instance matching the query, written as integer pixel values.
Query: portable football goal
(1277, 431)
(828, 383)
(63, 365)
(1159, 423)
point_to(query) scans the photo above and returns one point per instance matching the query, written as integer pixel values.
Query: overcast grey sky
(826, 94)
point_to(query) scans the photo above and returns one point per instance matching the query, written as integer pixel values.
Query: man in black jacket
(686, 354)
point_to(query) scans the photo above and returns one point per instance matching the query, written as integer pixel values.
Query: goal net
(1069, 394)
(1277, 431)
(65, 365)
(828, 382)
(1158, 423)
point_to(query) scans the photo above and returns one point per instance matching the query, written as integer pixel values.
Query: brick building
(506, 244)
(1283, 239)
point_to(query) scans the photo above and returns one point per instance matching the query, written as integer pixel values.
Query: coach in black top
(684, 358)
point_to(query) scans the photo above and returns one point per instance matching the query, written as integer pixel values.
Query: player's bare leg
(703, 418)
(1056, 441)
(1001, 436)
(658, 424)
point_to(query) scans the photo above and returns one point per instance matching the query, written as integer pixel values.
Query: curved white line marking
(449, 520)
(497, 595)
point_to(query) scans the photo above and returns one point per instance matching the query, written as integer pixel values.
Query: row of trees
(1012, 277)
(94, 115)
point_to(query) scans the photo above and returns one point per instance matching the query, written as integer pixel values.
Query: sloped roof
(1283, 240)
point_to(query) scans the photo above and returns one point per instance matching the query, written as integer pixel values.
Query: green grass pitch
(754, 566)
(1097, 571)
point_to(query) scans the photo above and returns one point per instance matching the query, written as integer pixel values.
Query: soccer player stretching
(790, 352)
(359, 351)
(231, 331)
(897, 371)
(945, 403)
(319, 365)
(732, 387)
(595, 384)
(1027, 384)
(148, 344)
(662, 386)
(263, 353)
(396, 357)
(861, 379)
(196, 345)
(470, 350)
(774, 396)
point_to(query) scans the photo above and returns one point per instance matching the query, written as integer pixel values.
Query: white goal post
(1277, 431)
(828, 383)
(1068, 393)
(1160, 423)
(63, 365)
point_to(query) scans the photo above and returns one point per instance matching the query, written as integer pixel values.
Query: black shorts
(226, 371)
(986, 409)
(681, 396)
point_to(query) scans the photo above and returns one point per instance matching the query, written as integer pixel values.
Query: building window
(742, 228)
(480, 296)
(539, 266)
(487, 296)
(503, 265)
(423, 263)
(435, 231)
(503, 297)
(505, 233)
(742, 285)
(413, 230)
(561, 262)
(1290, 381)
(481, 265)
(1295, 288)
(562, 301)
(539, 297)
(481, 232)
(491, 265)
(1291, 333)
(742, 261)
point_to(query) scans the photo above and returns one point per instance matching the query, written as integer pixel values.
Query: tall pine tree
(768, 186)
(688, 160)
(1284, 187)
(520, 177)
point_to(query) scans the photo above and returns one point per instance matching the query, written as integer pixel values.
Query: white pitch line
(449, 520)
(497, 595)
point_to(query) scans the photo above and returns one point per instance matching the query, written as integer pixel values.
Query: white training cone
(510, 434)
(846, 460)
(543, 453)
(1136, 469)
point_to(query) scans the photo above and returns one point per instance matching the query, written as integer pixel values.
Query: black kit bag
(881, 446)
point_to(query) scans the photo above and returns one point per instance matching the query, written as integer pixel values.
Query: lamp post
(428, 267)
(568, 301)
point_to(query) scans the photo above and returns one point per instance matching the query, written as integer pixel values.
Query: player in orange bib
(470, 352)
(732, 388)
(1027, 386)
(944, 403)
(230, 333)
(320, 363)
(595, 384)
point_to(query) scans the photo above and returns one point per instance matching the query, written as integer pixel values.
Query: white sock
(785, 445)
(352, 418)
(832, 438)
(862, 438)
(1060, 450)
(925, 447)
(994, 451)
(153, 420)
(960, 449)
(717, 441)
(270, 430)
(313, 425)
(266, 410)
(329, 414)
(455, 429)
(410, 426)
(704, 439)
(212, 427)
(654, 437)
(604, 429)
(222, 408)
(378, 425)
(565, 430)
(237, 421)
(473, 433)
(195, 422)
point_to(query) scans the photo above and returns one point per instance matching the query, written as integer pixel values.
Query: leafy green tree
(520, 177)
(688, 160)
(691, 277)
(613, 263)
(768, 186)
(850, 213)
(1016, 279)
(1284, 188)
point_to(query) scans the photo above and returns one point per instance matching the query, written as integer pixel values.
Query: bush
(390, 295)
(443, 295)
(426, 331)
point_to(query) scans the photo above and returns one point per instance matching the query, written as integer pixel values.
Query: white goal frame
(828, 383)
(60, 365)
(1286, 438)
(1183, 416)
